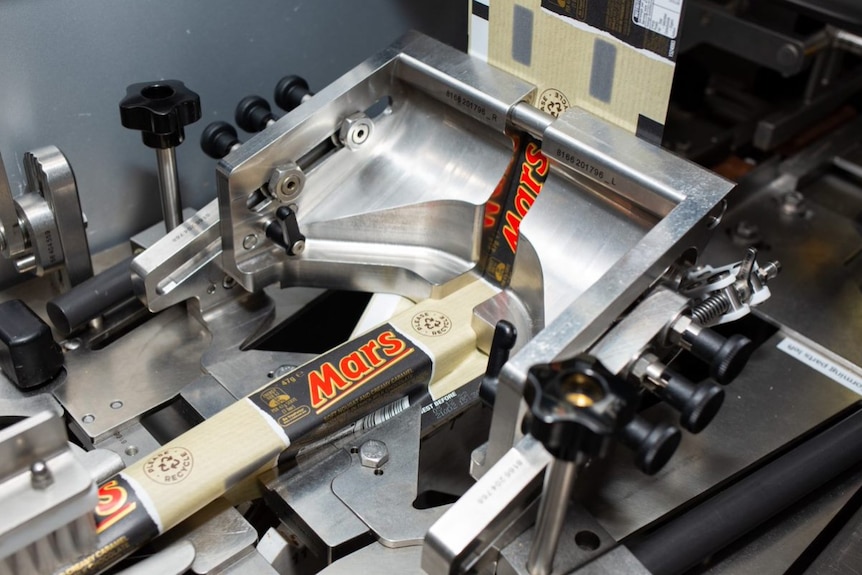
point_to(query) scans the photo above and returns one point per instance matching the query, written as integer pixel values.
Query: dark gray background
(64, 67)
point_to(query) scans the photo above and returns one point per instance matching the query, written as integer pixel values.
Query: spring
(710, 308)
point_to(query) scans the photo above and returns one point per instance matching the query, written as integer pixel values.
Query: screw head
(794, 204)
(373, 454)
(297, 248)
(746, 230)
(71, 344)
(249, 241)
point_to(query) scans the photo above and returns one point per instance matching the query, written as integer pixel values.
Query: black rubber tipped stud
(701, 407)
(290, 92)
(697, 403)
(218, 139)
(253, 114)
(653, 444)
(160, 111)
(726, 356)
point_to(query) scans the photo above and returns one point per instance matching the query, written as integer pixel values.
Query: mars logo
(170, 465)
(113, 504)
(332, 381)
(533, 173)
(431, 323)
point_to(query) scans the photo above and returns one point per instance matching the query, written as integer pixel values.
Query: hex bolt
(746, 232)
(355, 130)
(793, 204)
(286, 182)
(40, 475)
(373, 454)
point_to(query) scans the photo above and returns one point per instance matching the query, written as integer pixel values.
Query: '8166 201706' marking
(470, 105)
(585, 167)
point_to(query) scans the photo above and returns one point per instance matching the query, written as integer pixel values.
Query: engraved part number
(468, 104)
(580, 164)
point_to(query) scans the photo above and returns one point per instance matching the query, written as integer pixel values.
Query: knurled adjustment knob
(653, 443)
(218, 139)
(253, 114)
(290, 92)
(697, 403)
(577, 406)
(160, 111)
(726, 356)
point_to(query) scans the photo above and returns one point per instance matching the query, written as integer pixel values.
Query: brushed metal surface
(65, 68)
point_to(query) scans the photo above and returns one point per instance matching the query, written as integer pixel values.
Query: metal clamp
(44, 230)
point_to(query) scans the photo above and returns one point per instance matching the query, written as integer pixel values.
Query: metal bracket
(44, 229)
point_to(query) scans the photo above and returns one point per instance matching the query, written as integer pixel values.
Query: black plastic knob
(89, 299)
(160, 111)
(697, 403)
(217, 139)
(653, 444)
(577, 406)
(726, 356)
(284, 231)
(290, 91)
(253, 113)
(29, 356)
(504, 339)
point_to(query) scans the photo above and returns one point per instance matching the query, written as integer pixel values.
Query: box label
(648, 24)
(846, 377)
(660, 16)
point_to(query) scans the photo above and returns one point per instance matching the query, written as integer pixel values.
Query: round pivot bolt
(218, 139)
(290, 92)
(253, 114)
(373, 453)
(160, 111)
(653, 444)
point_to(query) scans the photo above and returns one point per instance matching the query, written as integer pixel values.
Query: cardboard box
(614, 58)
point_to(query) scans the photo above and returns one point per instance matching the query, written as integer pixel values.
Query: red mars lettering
(325, 382)
(533, 174)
